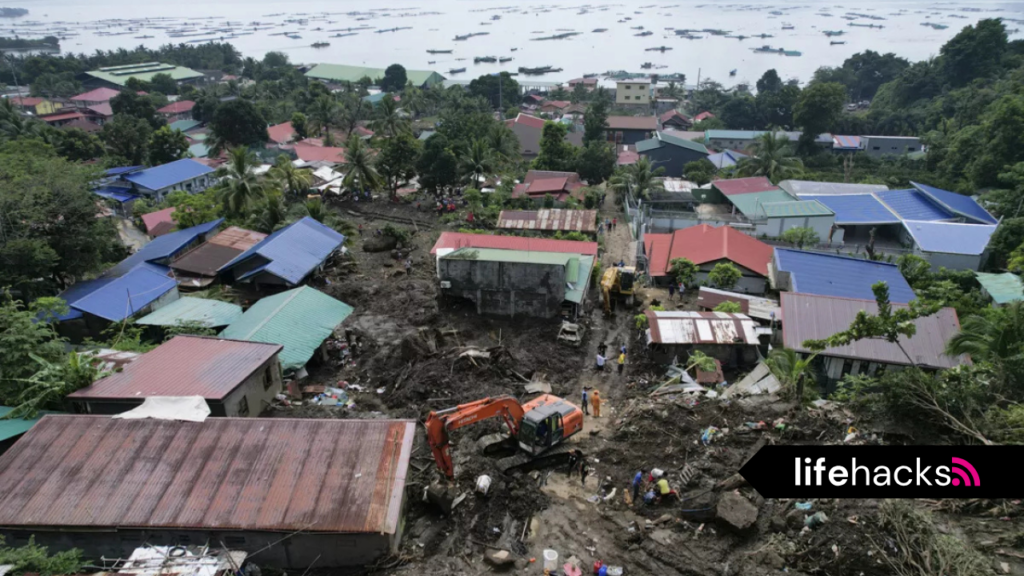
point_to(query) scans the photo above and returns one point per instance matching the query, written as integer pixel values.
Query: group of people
(609, 224)
(591, 397)
(674, 287)
(601, 359)
(654, 486)
(578, 465)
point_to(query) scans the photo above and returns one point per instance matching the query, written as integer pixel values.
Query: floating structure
(783, 51)
(456, 70)
(470, 35)
(439, 51)
(658, 49)
(486, 59)
(538, 71)
(321, 44)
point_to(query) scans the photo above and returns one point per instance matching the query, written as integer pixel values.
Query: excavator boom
(438, 424)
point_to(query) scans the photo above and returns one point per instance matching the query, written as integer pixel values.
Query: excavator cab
(548, 424)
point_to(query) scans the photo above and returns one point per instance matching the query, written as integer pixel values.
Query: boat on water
(646, 33)
(486, 59)
(431, 61)
(504, 59)
(659, 49)
(439, 51)
(538, 71)
(783, 51)
(647, 65)
(345, 34)
(598, 30)
(142, 37)
(732, 72)
(788, 27)
(293, 36)
(835, 42)
(456, 70)
(514, 49)
(831, 33)
(934, 26)
(321, 44)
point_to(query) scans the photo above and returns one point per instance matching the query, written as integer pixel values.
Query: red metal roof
(709, 300)
(632, 123)
(813, 317)
(556, 219)
(314, 153)
(703, 116)
(271, 474)
(557, 103)
(456, 240)
(62, 116)
(102, 109)
(703, 243)
(531, 121)
(152, 219)
(207, 258)
(82, 124)
(627, 156)
(744, 185)
(26, 100)
(281, 133)
(184, 366)
(672, 114)
(547, 185)
(97, 95)
(177, 107)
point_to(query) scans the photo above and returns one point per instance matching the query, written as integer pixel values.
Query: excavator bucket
(444, 497)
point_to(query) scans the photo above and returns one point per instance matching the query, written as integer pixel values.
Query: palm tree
(478, 162)
(293, 180)
(790, 370)
(352, 112)
(638, 179)
(503, 143)
(672, 91)
(414, 101)
(323, 112)
(240, 186)
(387, 120)
(360, 173)
(773, 158)
(269, 212)
(997, 339)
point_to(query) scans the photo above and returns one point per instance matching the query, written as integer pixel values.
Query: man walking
(586, 403)
(671, 290)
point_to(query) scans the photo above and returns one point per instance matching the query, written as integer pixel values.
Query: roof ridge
(262, 323)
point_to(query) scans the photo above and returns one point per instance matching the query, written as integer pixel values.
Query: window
(268, 378)
(625, 97)
(876, 147)
(243, 406)
(911, 149)
(629, 86)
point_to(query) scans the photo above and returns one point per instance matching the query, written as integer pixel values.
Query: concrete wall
(890, 145)
(673, 158)
(620, 137)
(258, 390)
(506, 288)
(737, 144)
(952, 261)
(286, 550)
(197, 184)
(774, 227)
(638, 93)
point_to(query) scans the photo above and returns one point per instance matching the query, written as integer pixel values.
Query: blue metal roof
(726, 158)
(160, 177)
(164, 246)
(124, 296)
(950, 237)
(123, 170)
(841, 276)
(912, 205)
(293, 251)
(957, 203)
(78, 291)
(118, 193)
(856, 209)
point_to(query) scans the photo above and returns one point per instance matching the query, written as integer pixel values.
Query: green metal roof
(343, 73)
(795, 208)
(9, 428)
(1003, 288)
(184, 125)
(585, 266)
(648, 145)
(299, 319)
(732, 134)
(199, 150)
(210, 313)
(120, 74)
(750, 204)
(682, 142)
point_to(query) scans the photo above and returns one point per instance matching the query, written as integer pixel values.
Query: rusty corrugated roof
(812, 317)
(700, 328)
(207, 258)
(553, 219)
(89, 472)
(184, 366)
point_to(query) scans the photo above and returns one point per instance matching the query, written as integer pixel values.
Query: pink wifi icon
(962, 474)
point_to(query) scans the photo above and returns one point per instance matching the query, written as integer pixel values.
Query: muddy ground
(407, 360)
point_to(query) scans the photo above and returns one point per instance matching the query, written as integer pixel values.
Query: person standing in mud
(575, 455)
(638, 483)
(599, 361)
(595, 400)
(622, 362)
(586, 409)
(584, 471)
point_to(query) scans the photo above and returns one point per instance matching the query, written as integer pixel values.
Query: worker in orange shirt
(595, 401)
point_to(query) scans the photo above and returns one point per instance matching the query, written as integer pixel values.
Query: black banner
(886, 471)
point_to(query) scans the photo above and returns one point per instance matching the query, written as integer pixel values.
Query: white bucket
(550, 560)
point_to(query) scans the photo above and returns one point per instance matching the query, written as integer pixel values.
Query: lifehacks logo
(883, 471)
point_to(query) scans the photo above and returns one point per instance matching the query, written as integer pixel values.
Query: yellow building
(633, 93)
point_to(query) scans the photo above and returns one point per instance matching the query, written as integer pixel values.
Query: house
(839, 276)
(313, 150)
(538, 184)
(94, 97)
(633, 92)
(1001, 288)
(300, 319)
(705, 115)
(342, 73)
(627, 155)
(136, 286)
(35, 105)
(757, 307)
(117, 77)
(743, 139)
(449, 242)
(732, 339)
(84, 125)
(554, 106)
(180, 110)
(528, 130)
(286, 257)
(11, 429)
(589, 83)
(208, 313)
(721, 189)
(156, 182)
(675, 119)
(160, 222)
(773, 217)
(668, 151)
(846, 144)
(98, 113)
(707, 246)
(726, 159)
(281, 133)
(664, 105)
(815, 317)
(59, 118)
(630, 129)
(198, 267)
(236, 378)
(879, 146)
(950, 245)
(549, 220)
(801, 188)
(517, 282)
(300, 492)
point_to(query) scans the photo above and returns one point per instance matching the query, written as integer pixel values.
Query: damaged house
(517, 282)
(732, 339)
(297, 491)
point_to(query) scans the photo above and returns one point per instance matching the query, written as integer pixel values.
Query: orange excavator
(536, 426)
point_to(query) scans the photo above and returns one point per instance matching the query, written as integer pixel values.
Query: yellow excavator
(616, 283)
